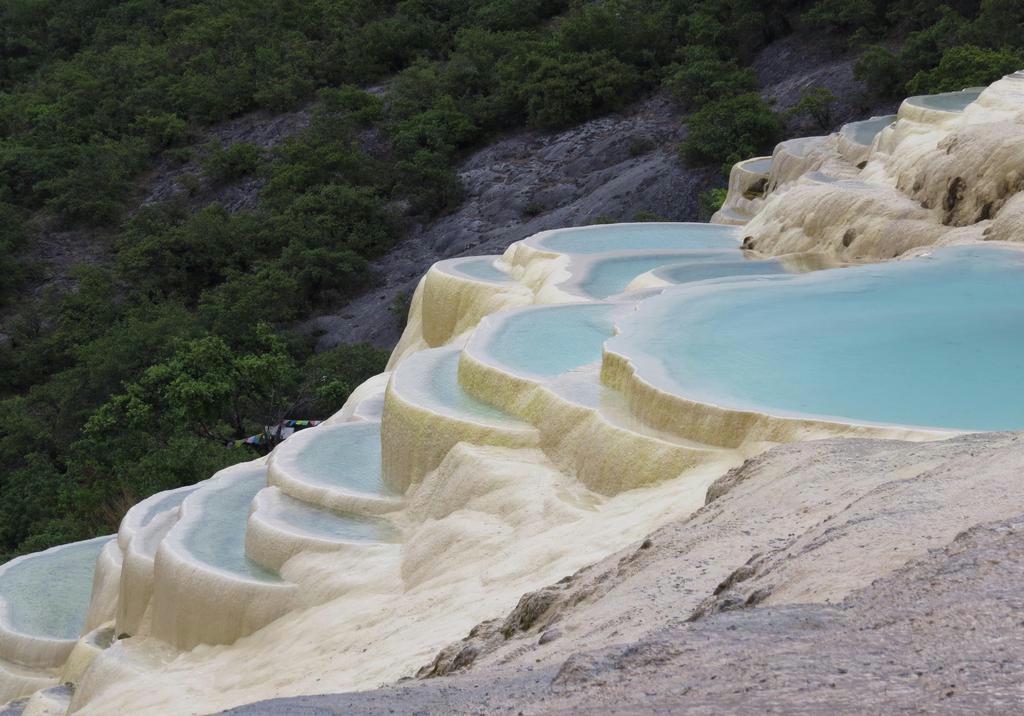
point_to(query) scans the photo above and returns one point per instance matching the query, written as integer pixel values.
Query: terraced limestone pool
(934, 342)
(690, 272)
(303, 518)
(864, 132)
(47, 594)
(639, 237)
(344, 456)
(550, 340)
(609, 276)
(947, 101)
(758, 165)
(481, 268)
(217, 536)
(162, 502)
(430, 379)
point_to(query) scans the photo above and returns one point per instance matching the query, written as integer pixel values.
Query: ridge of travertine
(561, 468)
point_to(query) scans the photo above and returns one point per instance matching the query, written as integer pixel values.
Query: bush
(569, 87)
(731, 129)
(702, 76)
(93, 191)
(710, 201)
(330, 376)
(815, 103)
(880, 71)
(966, 66)
(442, 129)
(639, 146)
(162, 130)
(227, 164)
(400, 306)
(13, 235)
(840, 16)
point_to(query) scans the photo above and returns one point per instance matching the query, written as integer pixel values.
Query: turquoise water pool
(702, 271)
(607, 277)
(482, 269)
(947, 101)
(544, 342)
(345, 456)
(47, 594)
(430, 379)
(640, 237)
(932, 342)
(163, 502)
(317, 522)
(864, 132)
(217, 537)
(761, 165)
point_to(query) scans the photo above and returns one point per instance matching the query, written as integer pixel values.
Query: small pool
(864, 132)
(759, 165)
(345, 456)
(303, 518)
(430, 378)
(164, 501)
(216, 536)
(933, 342)
(798, 147)
(480, 268)
(947, 101)
(550, 340)
(47, 594)
(370, 409)
(603, 238)
(702, 271)
(607, 277)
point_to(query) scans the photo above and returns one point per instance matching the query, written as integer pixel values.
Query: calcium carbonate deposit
(551, 405)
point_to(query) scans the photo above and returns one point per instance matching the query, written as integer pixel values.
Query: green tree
(966, 66)
(227, 164)
(816, 103)
(701, 75)
(879, 69)
(731, 129)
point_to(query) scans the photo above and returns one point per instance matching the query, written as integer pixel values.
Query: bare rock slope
(613, 167)
(854, 576)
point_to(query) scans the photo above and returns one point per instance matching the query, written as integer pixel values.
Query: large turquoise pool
(603, 238)
(931, 342)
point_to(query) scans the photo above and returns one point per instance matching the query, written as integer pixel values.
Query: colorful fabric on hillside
(281, 430)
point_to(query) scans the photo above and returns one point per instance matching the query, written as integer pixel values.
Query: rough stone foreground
(851, 576)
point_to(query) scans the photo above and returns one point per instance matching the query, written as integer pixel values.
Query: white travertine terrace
(43, 603)
(748, 184)
(940, 174)
(518, 435)
(855, 140)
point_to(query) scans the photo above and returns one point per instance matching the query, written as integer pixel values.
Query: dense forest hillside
(145, 332)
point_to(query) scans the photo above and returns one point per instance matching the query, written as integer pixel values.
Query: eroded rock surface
(837, 576)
